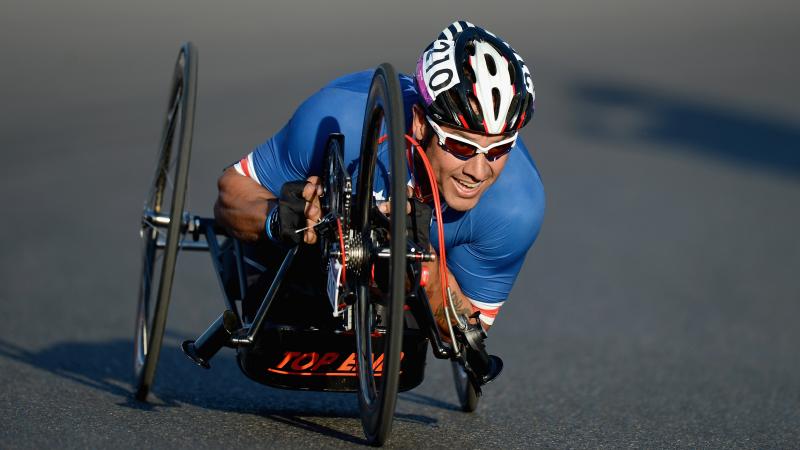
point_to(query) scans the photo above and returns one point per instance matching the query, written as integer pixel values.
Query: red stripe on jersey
(489, 312)
(245, 169)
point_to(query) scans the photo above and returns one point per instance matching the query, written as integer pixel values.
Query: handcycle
(375, 342)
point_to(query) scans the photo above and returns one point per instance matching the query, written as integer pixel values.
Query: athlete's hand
(299, 209)
(386, 207)
(419, 220)
(313, 211)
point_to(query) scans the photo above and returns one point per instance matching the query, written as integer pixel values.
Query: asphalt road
(658, 308)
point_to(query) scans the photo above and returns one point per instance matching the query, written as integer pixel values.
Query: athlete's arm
(242, 206)
(463, 304)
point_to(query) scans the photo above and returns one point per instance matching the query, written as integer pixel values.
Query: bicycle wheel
(379, 318)
(467, 396)
(161, 233)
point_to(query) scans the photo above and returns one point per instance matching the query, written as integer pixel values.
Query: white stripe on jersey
(484, 305)
(252, 168)
(486, 319)
(238, 168)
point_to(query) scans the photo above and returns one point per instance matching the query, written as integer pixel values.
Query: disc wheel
(162, 220)
(379, 315)
(467, 396)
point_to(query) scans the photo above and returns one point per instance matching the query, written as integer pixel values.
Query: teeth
(469, 185)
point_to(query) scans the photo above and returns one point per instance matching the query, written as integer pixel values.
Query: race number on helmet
(471, 79)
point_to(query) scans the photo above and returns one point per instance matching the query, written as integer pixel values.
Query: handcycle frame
(180, 230)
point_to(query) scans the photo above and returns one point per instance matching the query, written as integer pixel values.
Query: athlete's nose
(478, 167)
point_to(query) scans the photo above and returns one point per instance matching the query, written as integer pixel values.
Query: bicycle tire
(467, 396)
(377, 395)
(171, 177)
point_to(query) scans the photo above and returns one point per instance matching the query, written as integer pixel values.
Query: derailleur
(480, 366)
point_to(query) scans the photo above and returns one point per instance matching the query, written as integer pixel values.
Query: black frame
(196, 233)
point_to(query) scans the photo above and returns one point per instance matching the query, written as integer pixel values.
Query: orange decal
(349, 365)
(309, 364)
(377, 365)
(312, 359)
(327, 358)
(289, 356)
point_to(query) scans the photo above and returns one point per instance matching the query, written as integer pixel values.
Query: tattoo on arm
(461, 306)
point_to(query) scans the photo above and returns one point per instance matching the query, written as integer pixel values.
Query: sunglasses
(464, 149)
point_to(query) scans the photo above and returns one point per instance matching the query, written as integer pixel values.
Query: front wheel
(162, 220)
(379, 302)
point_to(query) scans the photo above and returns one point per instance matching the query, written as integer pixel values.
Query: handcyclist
(470, 95)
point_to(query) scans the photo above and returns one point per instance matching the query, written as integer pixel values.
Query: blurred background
(658, 307)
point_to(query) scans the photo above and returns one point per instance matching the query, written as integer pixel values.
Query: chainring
(337, 197)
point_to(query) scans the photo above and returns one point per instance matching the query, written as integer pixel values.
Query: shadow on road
(107, 366)
(617, 113)
(429, 401)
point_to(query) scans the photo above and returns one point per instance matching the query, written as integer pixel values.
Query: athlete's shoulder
(355, 82)
(358, 84)
(514, 205)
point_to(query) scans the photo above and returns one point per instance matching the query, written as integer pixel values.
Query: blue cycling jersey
(486, 245)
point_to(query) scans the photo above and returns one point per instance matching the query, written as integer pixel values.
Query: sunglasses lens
(460, 148)
(499, 151)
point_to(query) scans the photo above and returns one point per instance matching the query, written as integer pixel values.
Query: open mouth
(467, 188)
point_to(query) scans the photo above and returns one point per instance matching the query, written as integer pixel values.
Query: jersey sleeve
(296, 151)
(503, 231)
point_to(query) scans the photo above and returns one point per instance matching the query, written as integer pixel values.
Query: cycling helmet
(471, 79)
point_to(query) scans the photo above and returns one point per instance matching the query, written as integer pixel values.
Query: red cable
(438, 210)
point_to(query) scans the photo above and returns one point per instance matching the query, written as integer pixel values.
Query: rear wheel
(379, 307)
(162, 220)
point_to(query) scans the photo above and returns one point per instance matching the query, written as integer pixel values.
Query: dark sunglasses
(464, 149)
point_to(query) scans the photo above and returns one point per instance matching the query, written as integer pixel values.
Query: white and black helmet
(469, 78)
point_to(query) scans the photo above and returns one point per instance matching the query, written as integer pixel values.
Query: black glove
(419, 223)
(290, 215)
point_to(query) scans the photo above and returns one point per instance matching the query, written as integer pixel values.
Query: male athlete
(465, 104)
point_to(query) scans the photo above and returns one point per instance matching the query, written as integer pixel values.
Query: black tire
(167, 193)
(467, 396)
(377, 395)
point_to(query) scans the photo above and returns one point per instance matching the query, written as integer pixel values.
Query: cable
(445, 286)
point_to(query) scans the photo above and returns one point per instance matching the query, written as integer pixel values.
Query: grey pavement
(657, 309)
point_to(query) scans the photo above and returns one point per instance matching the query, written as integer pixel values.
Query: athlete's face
(460, 182)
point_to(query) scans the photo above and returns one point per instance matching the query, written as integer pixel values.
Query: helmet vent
(469, 72)
(474, 104)
(470, 48)
(490, 65)
(496, 101)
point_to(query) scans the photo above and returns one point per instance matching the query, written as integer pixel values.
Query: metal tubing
(185, 244)
(238, 251)
(215, 253)
(254, 328)
(212, 340)
(420, 307)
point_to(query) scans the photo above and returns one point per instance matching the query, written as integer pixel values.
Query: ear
(418, 124)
